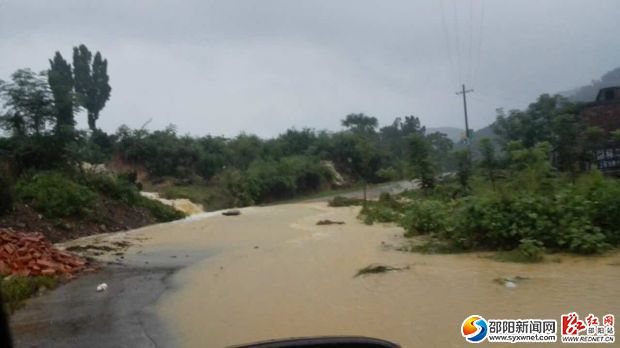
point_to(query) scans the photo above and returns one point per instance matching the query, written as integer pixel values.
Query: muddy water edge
(214, 281)
(278, 275)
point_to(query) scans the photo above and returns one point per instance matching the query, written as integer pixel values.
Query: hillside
(453, 133)
(588, 93)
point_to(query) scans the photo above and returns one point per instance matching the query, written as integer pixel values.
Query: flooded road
(279, 275)
(273, 273)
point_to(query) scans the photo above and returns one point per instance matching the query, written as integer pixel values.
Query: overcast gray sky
(222, 67)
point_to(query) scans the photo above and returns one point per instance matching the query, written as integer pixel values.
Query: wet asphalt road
(75, 315)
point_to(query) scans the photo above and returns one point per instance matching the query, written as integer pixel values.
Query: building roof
(608, 95)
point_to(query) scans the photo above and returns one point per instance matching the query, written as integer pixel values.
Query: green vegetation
(161, 212)
(16, 289)
(529, 250)
(55, 195)
(340, 201)
(521, 216)
(527, 190)
(533, 196)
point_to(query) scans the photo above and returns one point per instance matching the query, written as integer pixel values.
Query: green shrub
(375, 212)
(425, 217)
(529, 250)
(116, 188)
(160, 211)
(55, 195)
(16, 289)
(340, 201)
(582, 218)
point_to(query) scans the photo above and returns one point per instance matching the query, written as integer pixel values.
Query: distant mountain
(588, 93)
(585, 93)
(457, 134)
(453, 133)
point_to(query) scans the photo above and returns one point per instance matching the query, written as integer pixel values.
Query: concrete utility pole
(464, 93)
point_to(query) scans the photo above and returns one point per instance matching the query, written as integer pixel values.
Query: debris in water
(256, 247)
(102, 287)
(377, 268)
(329, 222)
(80, 248)
(510, 282)
(234, 212)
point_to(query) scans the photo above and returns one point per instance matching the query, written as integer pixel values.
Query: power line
(458, 41)
(444, 28)
(480, 36)
(471, 43)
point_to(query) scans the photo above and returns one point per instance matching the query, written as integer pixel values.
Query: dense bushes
(160, 211)
(581, 217)
(265, 181)
(55, 195)
(117, 188)
(425, 217)
(122, 189)
(564, 220)
(340, 201)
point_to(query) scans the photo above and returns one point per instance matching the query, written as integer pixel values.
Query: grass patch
(431, 246)
(528, 251)
(160, 211)
(514, 256)
(340, 201)
(377, 268)
(17, 289)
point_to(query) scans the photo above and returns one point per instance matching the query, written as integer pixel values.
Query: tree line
(39, 118)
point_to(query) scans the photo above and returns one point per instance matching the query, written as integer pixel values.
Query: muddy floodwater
(274, 273)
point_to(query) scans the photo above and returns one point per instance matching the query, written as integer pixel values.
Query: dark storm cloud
(263, 66)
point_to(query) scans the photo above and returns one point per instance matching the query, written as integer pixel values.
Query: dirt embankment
(108, 216)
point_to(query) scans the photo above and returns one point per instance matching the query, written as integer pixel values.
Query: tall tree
(441, 146)
(361, 124)
(28, 103)
(420, 151)
(91, 82)
(60, 79)
(488, 161)
(463, 169)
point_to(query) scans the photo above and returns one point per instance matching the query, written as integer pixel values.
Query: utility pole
(464, 93)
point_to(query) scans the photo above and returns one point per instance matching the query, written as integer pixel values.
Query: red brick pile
(29, 254)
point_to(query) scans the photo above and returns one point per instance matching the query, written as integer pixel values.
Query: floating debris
(378, 268)
(329, 222)
(231, 212)
(510, 282)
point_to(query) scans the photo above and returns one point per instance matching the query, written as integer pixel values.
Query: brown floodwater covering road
(277, 274)
(215, 281)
